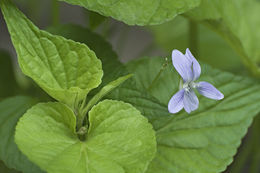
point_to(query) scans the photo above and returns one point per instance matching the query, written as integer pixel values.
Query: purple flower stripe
(190, 101)
(182, 65)
(176, 102)
(208, 90)
(195, 65)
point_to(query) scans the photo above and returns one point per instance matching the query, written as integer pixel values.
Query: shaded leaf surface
(4, 169)
(11, 110)
(8, 83)
(136, 12)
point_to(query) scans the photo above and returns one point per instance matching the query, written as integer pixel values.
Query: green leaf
(8, 85)
(104, 91)
(136, 12)
(119, 139)
(63, 68)
(211, 48)
(112, 69)
(151, 79)
(102, 48)
(206, 140)
(238, 22)
(11, 110)
(4, 169)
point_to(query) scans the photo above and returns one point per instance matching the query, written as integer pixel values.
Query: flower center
(189, 86)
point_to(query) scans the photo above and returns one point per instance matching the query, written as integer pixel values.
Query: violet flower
(189, 69)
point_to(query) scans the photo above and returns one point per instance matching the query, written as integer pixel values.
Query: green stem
(82, 128)
(158, 75)
(79, 106)
(82, 133)
(193, 38)
(80, 120)
(55, 12)
(81, 116)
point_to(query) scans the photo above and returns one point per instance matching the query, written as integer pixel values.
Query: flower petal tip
(176, 102)
(173, 110)
(221, 96)
(208, 90)
(187, 50)
(182, 65)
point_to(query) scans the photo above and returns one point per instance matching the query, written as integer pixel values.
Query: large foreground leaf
(11, 110)
(145, 12)
(206, 140)
(119, 139)
(238, 22)
(63, 68)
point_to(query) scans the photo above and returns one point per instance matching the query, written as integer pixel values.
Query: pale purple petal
(176, 102)
(190, 101)
(208, 90)
(182, 65)
(196, 66)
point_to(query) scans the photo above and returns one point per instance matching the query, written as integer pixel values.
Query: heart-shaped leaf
(119, 139)
(63, 68)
